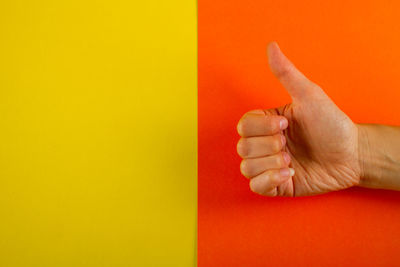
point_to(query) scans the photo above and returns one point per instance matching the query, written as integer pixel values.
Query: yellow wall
(98, 133)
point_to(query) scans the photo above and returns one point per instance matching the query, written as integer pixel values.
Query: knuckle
(242, 148)
(252, 186)
(284, 71)
(245, 168)
(263, 189)
(243, 125)
(239, 127)
(255, 186)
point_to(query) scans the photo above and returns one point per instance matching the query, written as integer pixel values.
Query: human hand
(307, 147)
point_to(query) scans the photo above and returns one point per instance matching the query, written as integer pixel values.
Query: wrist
(363, 153)
(378, 156)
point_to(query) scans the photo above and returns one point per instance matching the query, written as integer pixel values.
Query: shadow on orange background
(351, 49)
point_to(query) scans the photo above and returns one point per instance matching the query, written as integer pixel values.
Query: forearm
(379, 156)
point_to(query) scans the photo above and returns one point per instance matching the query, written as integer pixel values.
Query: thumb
(290, 77)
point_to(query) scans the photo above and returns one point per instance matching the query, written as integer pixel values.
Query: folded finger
(258, 123)
(253, 167)
(260, 146)
(266, 183)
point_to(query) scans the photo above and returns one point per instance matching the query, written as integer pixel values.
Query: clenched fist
(306, 147)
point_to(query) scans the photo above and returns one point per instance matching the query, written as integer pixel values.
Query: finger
(253, 167)
(297, 85)
(260, 146)
(258, 123)
(265, 184)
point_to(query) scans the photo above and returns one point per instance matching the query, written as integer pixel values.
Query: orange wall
(351, 49)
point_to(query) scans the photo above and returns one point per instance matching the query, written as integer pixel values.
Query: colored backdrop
(98, 133)
(350, 48)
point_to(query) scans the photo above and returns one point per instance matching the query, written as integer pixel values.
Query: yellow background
(98, 133)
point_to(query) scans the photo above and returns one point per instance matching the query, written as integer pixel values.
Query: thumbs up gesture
(306, 147)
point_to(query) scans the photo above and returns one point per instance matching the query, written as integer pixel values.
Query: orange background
(351, 49)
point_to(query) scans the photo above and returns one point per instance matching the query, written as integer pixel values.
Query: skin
(310, 146)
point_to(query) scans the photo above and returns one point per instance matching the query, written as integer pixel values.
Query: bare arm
(379, 148)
